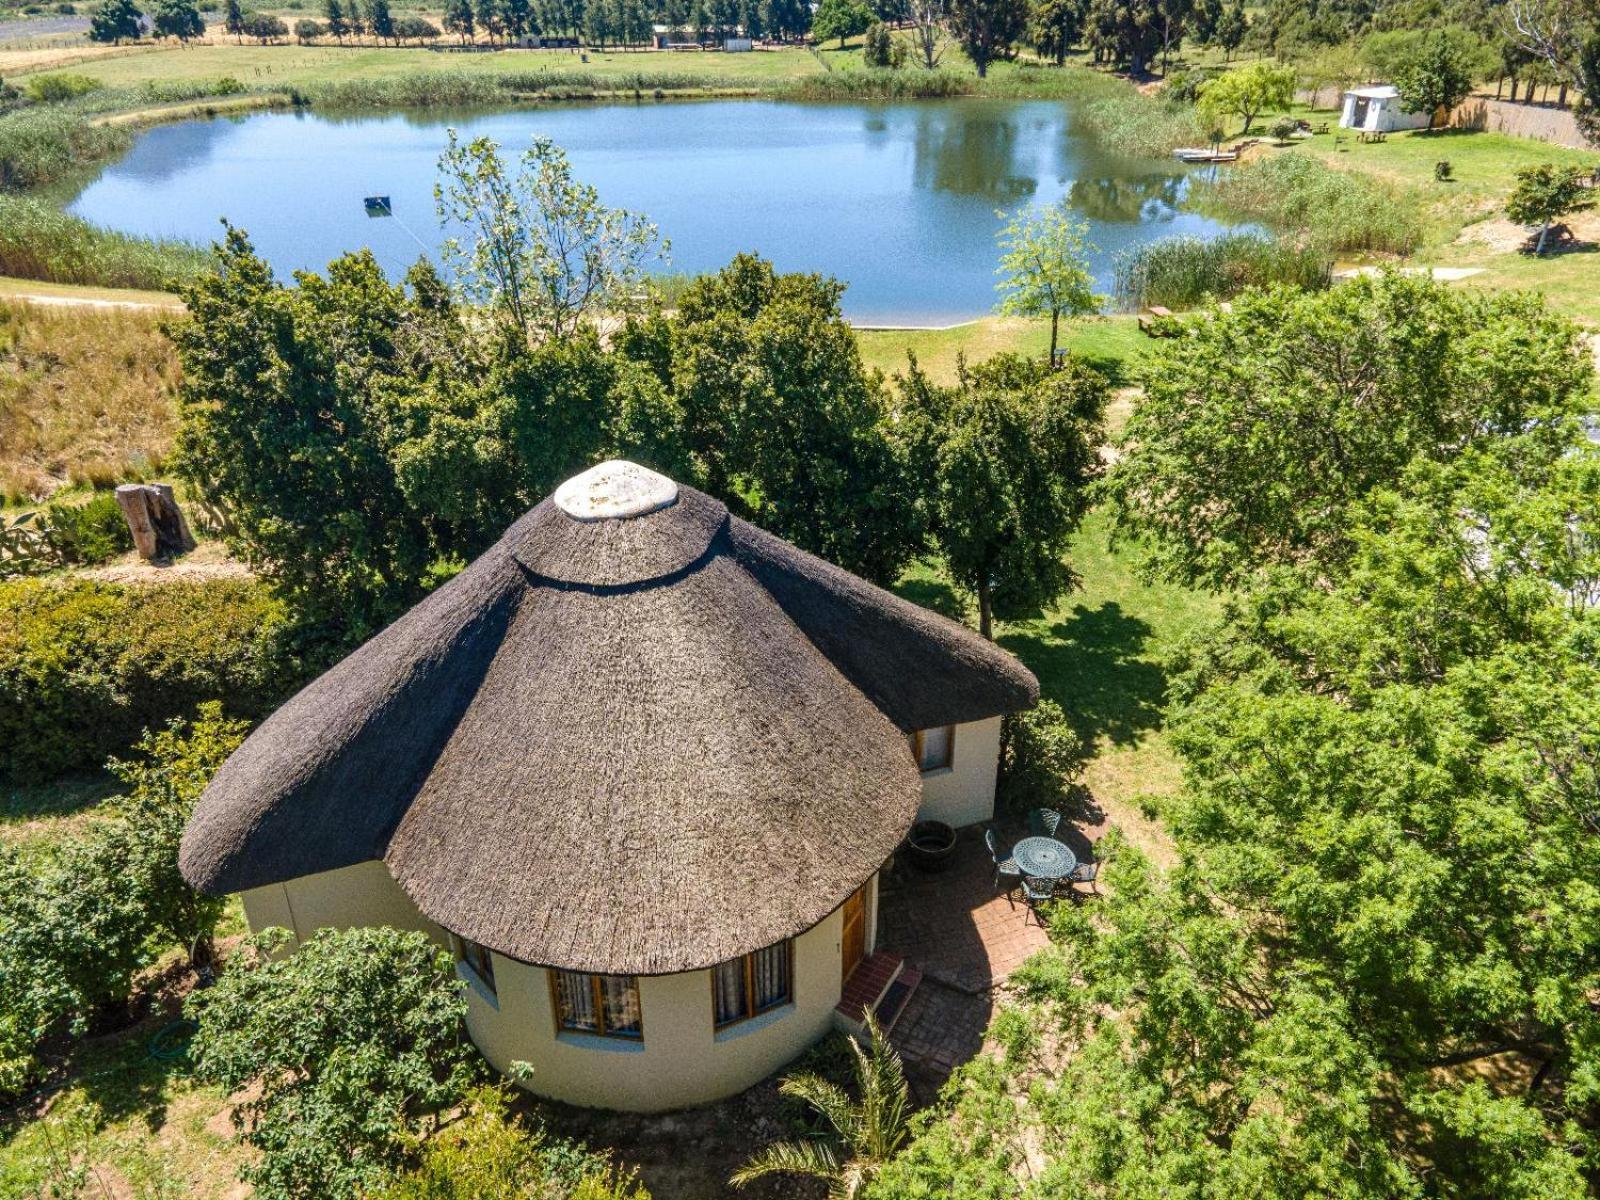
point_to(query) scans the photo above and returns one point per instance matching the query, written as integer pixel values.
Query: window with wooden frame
(934, 749)
(746, 987)
(604, 1005)
(480, 959)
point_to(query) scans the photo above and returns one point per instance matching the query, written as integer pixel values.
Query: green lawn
(1110, 342)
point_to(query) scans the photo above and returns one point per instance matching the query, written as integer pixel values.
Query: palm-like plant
(870, 1130)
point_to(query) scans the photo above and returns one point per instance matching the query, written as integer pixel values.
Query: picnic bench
(1157, 321)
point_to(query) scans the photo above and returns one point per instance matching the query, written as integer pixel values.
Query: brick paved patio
(955, 924)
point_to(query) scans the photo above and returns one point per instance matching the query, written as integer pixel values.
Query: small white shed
(1378, 110)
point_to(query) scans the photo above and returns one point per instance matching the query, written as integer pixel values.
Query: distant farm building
(1378, 110)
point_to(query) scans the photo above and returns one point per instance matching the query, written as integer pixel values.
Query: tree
(1005, 459)
(1263, 427)
(869, 1129)
(1127, 31)
(115, 20)
(1247, 92)
(351, 1047)
(459, 19)
(265, 27)
(1056, 26)
(282, 421)
(233, 18)
(337, 25)
(544, 251)
(928, 22)
(1044, 268)
(409, 26)
(1546, 193)
(987, 29)
(877, 48)
(771, 409)
(379, 21)
(1437, 77)
(1232, 28)
(518, 18)
(841, 19)
(178, 19)
(307, 31)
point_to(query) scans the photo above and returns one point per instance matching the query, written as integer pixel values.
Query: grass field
(1111, 342)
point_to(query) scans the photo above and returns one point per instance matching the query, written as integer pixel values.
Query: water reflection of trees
(971, 155)
(1128, 201)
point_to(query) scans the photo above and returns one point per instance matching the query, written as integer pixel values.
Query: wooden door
(853, 946)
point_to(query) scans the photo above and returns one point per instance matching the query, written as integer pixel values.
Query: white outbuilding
(1378, 109)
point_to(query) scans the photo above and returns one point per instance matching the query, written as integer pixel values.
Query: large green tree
(1247, 92)
(1044, 268)
(115, 20)
(1263, 426)
(841, 19)
(1005, 458)
(178, 19)
(1546, 193)
(1056, 26)
(351, 1048)
(987, 29)
(778, 415)
(1435, 78)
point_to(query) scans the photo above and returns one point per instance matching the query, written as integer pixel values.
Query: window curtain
(619, 994)
(727, 990)
(575, 997)
(770, 969)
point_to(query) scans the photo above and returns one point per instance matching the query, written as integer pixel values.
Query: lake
(900, 201)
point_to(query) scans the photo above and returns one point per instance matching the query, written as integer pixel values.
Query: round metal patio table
(1044, 858)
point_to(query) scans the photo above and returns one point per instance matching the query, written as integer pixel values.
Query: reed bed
(1138, 125)
(1335, 211)
(1186, 272)
(45, 143)
(39, 241)
(442, 89)
(86, 398)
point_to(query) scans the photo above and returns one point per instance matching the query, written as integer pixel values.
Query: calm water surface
(898, 200)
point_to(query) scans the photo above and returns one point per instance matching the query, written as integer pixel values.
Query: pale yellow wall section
(682, 1059)
(963, 794)
(365, 894)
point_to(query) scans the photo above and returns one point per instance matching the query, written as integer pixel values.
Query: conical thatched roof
(633, 743)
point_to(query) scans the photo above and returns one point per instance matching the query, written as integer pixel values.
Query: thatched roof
(631, 744)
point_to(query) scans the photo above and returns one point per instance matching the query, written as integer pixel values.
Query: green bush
(1041, 759)
(39, 241)
(1184, 272)
(1331, 209)
(86, 667)
(82, 917)
(44, 89)
(42, 145)
(89, 533)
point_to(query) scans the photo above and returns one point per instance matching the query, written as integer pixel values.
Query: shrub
(1041, 758)
(1442, 170)
(349, 1046)
(1331, 209)
(264, 27)
(489, 1153)
(39, 241)
(86, 667)
(1184, 272)
(45, 89)
(82, 918)
(1284, 128)
(88, 533)
(307, 30)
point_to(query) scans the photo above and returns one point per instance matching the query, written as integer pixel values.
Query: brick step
(895, 998)
(866, 988)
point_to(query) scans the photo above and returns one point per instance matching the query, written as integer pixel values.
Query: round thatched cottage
(637, 767)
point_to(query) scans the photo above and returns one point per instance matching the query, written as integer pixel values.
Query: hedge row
(86, 667)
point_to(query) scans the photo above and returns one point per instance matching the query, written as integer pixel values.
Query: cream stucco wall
(963, 793)
(365, 894)
(682, 1059)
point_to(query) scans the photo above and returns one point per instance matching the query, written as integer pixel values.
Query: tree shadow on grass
(60, 798)
(936, 594)
(1091, 664)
